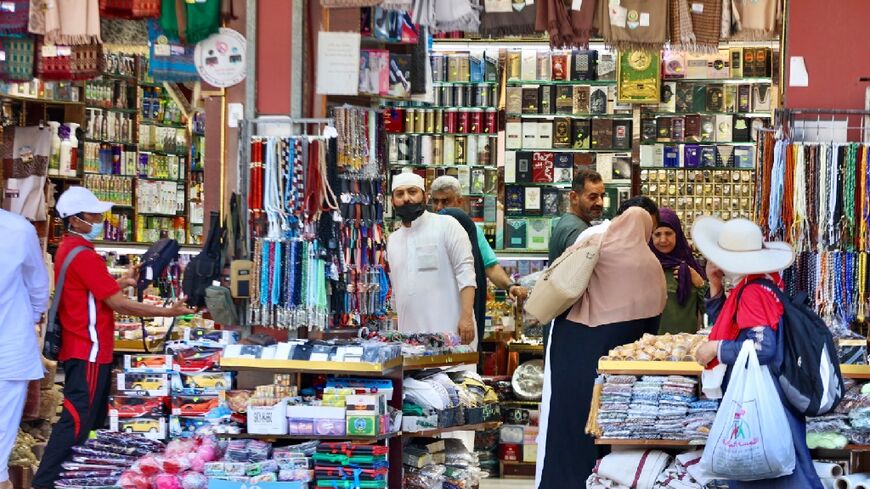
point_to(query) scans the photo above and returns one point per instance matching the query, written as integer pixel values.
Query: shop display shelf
(119, 76)
(702, 143)
(160, 214)
(533, 404)
(150, 84)
(437, 83)
(467, 427)
(420, 165)
(62, 177)
(648, 367)
(525, 348)
(108, 141)
(648, 443)
(731, 168)
(856, 372)
(672, 114)
(562, 82)
(112, 109)
(136, 346)
(441, 107)
(567, 116)
(159, 179)
(391, 42)
(173, 125)
(36, 100)
(250, 436)
(313, 367)
(571, 150)
(435, 361)
(741, 81)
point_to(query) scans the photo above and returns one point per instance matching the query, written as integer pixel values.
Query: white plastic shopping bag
(750, 439)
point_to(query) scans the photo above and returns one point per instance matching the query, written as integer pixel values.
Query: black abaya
(568, 455)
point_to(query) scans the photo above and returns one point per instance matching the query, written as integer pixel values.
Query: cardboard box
(126, 407)
(530, 453)
(368, 404)
(362, 425)
(315, 420)
(185, 426)
(153, 364)
(510, 452)
(268, 420)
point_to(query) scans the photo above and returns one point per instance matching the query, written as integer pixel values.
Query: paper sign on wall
(797, 73)
(338, 59)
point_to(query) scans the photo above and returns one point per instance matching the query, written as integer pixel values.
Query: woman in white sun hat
(738, 249)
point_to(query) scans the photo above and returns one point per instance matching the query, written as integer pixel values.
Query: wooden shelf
(652, 368)
(313, 367)
(435, 361)
(731, 81)
(250, 436)
(856, 372)
(568, 116)
(468, 427)
(35, 100)
(524, 348)
(563, 82)
(647, 443)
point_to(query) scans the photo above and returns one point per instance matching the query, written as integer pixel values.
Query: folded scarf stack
(700, 419)
(644, 409)
(635, 469)
(677, 393)
(615, 402)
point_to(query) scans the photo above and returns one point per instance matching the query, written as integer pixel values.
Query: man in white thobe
(431, 266)
(23, 299)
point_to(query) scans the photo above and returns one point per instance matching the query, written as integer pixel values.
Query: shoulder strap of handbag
(58, 289)
(767, 283)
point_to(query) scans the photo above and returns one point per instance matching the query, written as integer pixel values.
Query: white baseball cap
(80, 199)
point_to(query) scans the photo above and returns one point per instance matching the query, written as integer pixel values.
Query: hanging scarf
(634, 24)
(15, 16)
(172, 61)
(202, 20)
(513, 23)
(18, 65)
(680, 257)
(456, 15)
(706, 24)
(567, 27)
(755, 20)
(125, 36)
(682, 32)
(72, 22)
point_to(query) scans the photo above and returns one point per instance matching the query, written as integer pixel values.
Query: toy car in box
(194, 405)
(186, 427)
(159, 364)
(153, 428)
(126, 407)
(155, 385)
(196, 360)
(202, 383)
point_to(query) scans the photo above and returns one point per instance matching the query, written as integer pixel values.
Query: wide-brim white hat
(737, 246)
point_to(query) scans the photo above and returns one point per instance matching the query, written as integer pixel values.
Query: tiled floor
(507, 484)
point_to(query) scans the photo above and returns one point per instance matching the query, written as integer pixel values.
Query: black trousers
(85, 406)
(569, 454)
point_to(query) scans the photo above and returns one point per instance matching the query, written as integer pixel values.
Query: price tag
(698, 8)
(162, 50)
(49, 51)
(2, 55)
(64, 51)
(644, 19)
(7, 6)
(576, 4)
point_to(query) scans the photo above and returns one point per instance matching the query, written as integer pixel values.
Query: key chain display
(318, 257)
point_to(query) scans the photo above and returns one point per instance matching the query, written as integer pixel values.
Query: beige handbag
(564, 281)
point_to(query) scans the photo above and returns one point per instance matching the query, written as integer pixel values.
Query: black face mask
(410, 212)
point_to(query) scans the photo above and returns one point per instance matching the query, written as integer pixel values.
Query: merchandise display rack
(312, 367)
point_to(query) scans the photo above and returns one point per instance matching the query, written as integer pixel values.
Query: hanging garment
(170, 60)
(511, 23)
(72, 22)
(568, 27)
(456, 15)
(755, 20)
(634, 24)
(14, 17)
(76, 62)
(18, 65)
(202, 19)
(25, 185)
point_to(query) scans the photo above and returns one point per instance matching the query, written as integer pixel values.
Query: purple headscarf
(680, 257)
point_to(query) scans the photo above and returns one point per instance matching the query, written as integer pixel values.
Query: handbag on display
(564, 281)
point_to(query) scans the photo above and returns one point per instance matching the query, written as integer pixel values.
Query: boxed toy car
(185, 427)
(152, 428)
(201, 383)
(126, 407)
(133, 384)
(149, 364)
(194, 405)
(198, 359)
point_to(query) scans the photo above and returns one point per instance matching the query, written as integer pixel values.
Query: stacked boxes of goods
(349, 466)
(141, 402)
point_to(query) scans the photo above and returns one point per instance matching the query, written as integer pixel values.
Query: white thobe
(23, 298)
(430, 262)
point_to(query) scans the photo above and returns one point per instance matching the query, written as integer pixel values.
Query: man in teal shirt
(446, 192)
